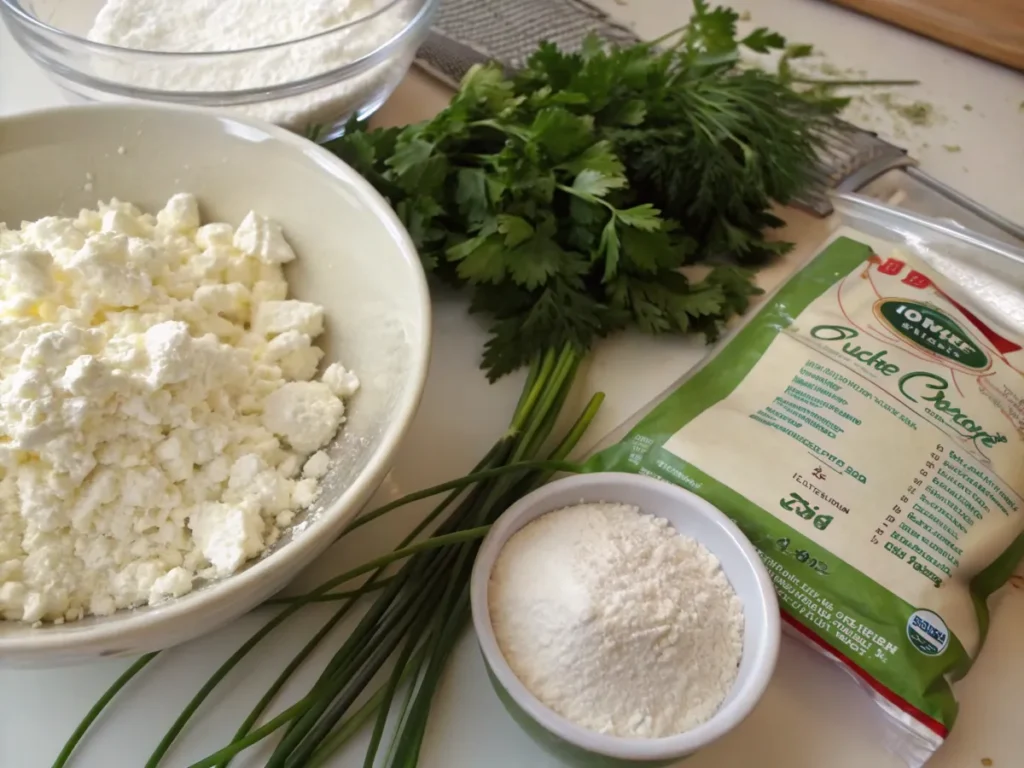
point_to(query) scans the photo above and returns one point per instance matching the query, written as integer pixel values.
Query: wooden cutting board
(993, 29)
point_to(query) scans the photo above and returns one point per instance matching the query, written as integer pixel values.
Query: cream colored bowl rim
(765, 655)
(328, 522)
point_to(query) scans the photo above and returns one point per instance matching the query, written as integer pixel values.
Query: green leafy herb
(567, 197)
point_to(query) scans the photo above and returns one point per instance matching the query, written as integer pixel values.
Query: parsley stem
(586, 197)
(852, 83)
(531, 393)
(423, 546)
(99, 706)
(255, 737)
(227, 752)
(461, 483)
(574, 435)
(347, 728)
(667, 36)
(310, 646)
(394, 680)
(410, 733)
(331, 596)
(541, 425)
(520, 134)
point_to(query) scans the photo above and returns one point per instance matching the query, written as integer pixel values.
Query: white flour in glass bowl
(293, 39)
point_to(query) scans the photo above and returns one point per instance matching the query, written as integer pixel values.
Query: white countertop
(812, 715)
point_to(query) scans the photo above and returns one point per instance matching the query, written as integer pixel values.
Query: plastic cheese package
(865, 428)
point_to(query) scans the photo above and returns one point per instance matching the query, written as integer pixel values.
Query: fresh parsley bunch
(568, 196)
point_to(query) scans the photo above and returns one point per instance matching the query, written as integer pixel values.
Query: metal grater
(468, 32)
(849, 159)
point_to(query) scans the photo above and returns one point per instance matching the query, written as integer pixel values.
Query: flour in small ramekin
(616, 621)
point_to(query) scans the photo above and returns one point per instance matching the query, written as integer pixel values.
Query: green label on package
(866, 431)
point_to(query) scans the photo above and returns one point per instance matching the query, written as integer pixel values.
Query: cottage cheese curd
(157, 407)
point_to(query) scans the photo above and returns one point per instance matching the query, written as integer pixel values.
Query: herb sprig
(568, 196)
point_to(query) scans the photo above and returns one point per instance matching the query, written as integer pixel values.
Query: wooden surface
(993, 29)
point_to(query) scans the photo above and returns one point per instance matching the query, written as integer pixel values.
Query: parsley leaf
(471, 197)
(763, 40)
(643, 216)
(515, 229)
(410, 155)
(609, 248)
(540, 258)
(595, 184)
(599, 157)
(561, 133)
(480, 259)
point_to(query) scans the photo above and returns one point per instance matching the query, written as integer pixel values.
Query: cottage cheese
(156, 406)
(200, 26)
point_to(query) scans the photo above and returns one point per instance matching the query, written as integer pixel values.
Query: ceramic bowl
(690, 515)
(354, 257)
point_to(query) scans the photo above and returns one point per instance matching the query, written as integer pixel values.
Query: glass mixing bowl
(311, 85)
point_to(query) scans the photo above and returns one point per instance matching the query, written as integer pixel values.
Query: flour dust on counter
(157, 405)
(865, 429)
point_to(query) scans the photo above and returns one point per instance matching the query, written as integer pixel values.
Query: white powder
(152, 425)
(196, 26)
(616, 621)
